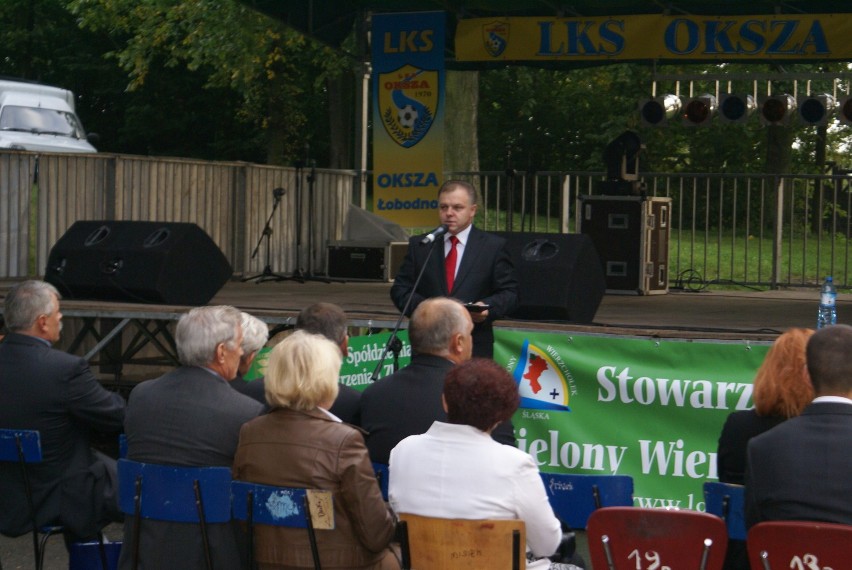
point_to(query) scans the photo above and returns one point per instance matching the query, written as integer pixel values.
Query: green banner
(361, 360)
(651, 409)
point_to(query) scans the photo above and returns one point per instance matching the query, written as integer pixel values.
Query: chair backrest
(16, 441)
(727, 501)
(452, 544)
(168, 493)
(282, 506)
(800, 545)
(631, 537)
(575, 497)
(382, 472)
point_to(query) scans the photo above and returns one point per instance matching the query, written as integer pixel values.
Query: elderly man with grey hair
(409, 400)
(190, 417)
(255, 335)
(54, 392)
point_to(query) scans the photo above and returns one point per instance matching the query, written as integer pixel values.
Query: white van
(40, 118)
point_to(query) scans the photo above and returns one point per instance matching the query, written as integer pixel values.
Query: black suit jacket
(54, 392)
(739, 428)
(486, 274)
(407, 403)
(189, 417)
(802, 468)
(345, 405)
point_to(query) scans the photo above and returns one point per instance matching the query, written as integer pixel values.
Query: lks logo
(408, 102)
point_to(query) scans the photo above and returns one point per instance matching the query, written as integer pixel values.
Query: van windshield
(40, 121)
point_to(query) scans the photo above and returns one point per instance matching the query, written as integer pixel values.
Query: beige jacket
(308, 449)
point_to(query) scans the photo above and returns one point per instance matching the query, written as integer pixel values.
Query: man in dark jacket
(408, 401)
(54, 392)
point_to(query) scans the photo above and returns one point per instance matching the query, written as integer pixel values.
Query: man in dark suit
(408, 401)
(190, 417)
(802, 468)
(54, 392)
(470, 265)
(329, 320)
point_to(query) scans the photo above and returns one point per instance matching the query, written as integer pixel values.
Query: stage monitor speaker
(168, 263)
(560, 276)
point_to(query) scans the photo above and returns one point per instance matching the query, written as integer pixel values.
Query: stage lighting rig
(777, 109)
(817, 109)
(736, 108)
(657, 111)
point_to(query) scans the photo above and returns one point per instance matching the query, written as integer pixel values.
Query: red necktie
(450, 263)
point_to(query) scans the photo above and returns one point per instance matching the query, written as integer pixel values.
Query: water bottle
(827, 297)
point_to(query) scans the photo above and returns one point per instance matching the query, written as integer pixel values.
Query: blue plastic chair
(727, 501)
(274, 506)
(178, 494)
(382, 476)
(575, 497)
(23, 447)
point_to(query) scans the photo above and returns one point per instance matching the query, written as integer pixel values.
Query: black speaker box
(169, 263)
(560, 276)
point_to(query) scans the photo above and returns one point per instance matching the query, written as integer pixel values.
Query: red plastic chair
(800, 545)
(625, 538)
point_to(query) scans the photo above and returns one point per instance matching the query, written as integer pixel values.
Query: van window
(40, 120)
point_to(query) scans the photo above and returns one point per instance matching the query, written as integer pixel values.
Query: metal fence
(732, 229)
(748, 229)
(42, 195)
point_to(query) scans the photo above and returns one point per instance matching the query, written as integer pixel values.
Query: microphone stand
(267, 274)
(394, 343)
(309, 275)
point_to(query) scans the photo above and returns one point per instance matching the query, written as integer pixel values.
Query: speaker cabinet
(632, 238)
(559, 276)
(168, 263)
(365, 261)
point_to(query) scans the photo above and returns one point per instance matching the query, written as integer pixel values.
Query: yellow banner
(656, 37)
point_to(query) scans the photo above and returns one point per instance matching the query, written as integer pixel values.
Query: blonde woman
(299, 443)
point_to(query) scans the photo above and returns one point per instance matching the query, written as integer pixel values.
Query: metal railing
(748, 229)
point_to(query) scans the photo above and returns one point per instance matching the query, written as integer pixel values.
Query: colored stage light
(699, 110)
(817, 109)
(777, 109)
(659, 110)
(735, 108)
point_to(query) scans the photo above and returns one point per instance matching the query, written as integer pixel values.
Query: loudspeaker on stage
(172, 263)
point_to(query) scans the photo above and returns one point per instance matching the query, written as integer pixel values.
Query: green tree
(279, 74)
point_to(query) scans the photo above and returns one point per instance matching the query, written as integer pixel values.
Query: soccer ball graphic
(407, 116)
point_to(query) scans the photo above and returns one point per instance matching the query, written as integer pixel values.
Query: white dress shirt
(458, 471)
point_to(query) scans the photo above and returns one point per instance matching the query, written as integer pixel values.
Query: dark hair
(326, 319)
(828, 360)
(480, 393)
(453, 185)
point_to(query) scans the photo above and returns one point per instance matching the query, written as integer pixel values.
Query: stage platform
(711, 315)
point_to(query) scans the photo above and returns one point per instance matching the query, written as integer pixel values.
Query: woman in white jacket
(455, 470)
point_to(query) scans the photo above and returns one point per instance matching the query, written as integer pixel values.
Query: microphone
(435, 234)
(278, 192)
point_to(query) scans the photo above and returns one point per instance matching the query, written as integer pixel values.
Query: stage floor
(707, 314)
(722, 315)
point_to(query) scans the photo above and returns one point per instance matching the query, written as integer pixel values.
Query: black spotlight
(735, 108)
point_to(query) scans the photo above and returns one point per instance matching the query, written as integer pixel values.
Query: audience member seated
(329, 320)
(191, 417)
(780, 392)
(802, 468)
(300, 444)
(54, 392)
(255, 335)
(408, 401)
(456, 470)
